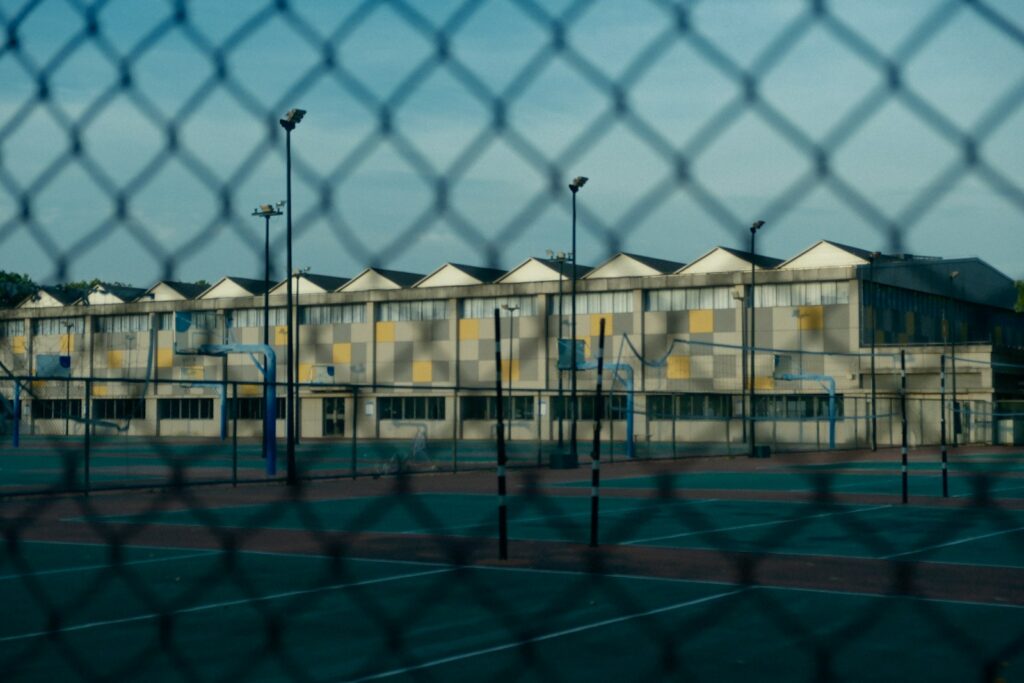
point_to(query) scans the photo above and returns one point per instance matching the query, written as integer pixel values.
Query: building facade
(390, 355)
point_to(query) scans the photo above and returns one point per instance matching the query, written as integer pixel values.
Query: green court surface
(918, 484)
(185, 614)
(972, 536)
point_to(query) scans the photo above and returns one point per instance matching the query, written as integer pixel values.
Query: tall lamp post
(511, 361)
(290, 120)
(560, 257)
(753, 315)
(874, 317)
(68, 326)
(957, 421)
(267, 211)
(574, 187)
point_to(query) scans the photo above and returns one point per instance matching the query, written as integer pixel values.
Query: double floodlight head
(578, 182)
(268, 210)
(756, 226)
(292, 118)
(954, 275)
(558, 256)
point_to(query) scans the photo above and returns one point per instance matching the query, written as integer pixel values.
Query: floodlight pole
(957, 419)
(67, 382)
(511, 361)
(753, 314)
(874, 333)
(574, 187)
(560, 257)
(290, 120)
(267, 211)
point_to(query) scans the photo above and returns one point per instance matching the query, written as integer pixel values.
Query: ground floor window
(795, 406)
(119, 408)
(615, 407)
(689, 406)
(411, 408)
(184, 408)
(53, 409)
(486, 408)
(252, 408)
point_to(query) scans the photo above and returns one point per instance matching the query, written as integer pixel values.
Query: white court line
(90, 567)
(543, 518)
(549, 636)
(220, 605)
(755, 525)
(997, 490)
(969, 539)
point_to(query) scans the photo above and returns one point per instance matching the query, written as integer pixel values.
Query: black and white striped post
(502, 507)
(903, 419)
(942, 424)
(595, 455)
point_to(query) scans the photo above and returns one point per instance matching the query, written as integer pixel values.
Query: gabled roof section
(457, 274)
(50, 297)
(169, 290)
(310, 283)
(536, 269)
(233, 288)
(825, 254)
(378, 278)
(726, 260)
(633, 265)
(103, 293)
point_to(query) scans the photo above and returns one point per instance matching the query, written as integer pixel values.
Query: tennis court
(716, 568)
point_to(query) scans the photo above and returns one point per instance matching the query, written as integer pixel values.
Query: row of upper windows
(694, 298)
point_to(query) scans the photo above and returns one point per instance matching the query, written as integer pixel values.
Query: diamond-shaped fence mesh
(135, 137)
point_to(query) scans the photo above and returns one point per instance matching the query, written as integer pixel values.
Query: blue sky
(361, 197)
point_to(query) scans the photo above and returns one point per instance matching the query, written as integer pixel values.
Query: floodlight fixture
(292, 119)
(578, 182)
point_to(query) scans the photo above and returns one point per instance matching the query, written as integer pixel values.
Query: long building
(392, 354)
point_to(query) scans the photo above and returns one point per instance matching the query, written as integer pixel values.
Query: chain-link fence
(131, 136)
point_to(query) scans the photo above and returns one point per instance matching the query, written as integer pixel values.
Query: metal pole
(957, 418)
(573, 447)
(942, 424)
(355, 423)
(874, 388)
(290, 403)
(234, 433)
(266, 323)
(502, 508)
(561, 396)
(753, 320)
(595, 455)
(88, 437)
(903, 421)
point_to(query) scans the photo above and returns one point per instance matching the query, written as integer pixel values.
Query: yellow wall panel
(764, 383)
(280, 335)
(341, 353)
(595, 325)
(193, 372)
(115, 360)
(422, 371)
(99, 390)
(505, 370)
(67, 344)
(469, 330)
(18, 344)
(812, 317)
(38, 384)
(250, 390)
(385, 332)
(702, 321)
(678, 367)
(164, 358)
(305, 372)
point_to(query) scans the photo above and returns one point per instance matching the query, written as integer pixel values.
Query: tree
(14, 287)
(1020, 296)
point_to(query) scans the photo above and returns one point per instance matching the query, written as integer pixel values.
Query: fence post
(903, 420)
(942, 424)
(455, 430)
(536, 410)
(88, 433)
(234, 433)
(355, 427)
(595, 453)
(502, 508)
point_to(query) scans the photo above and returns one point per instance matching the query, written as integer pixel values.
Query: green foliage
(14, 287)
(1020, 296)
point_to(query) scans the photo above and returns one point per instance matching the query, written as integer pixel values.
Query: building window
(486, 408)
(614, 407)
(803, 294)
(107, 324)
(689, 406)
(795, 406)
(411, 408)
(404, 311)
(119, 408)
(54, 326)
(184, 408)
(484, 307)
(253, 317)
(164, 321)
(332, 315)
(252, 408)
(594, 302)
(55, 408)
(690, 299)
(12, 328)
